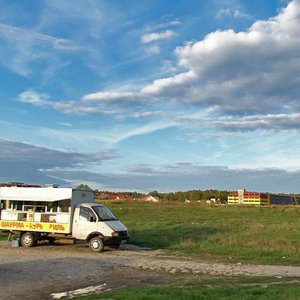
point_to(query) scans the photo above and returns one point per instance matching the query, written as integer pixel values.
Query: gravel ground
(36, 273)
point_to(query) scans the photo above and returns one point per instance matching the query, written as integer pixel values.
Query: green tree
(194, 196)
(155, 194)
(84, 187)
(180, 196)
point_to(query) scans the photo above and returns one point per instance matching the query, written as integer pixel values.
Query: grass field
(210, 289)
(269, 235)
(3, 236)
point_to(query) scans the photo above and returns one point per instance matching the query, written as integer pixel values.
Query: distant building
(150, 199)
(100, 195)
(119, 196)
(256, 198)
(113, 196)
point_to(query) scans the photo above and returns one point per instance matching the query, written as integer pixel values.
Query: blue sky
(151, 95)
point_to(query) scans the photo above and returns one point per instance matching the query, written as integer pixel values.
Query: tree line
(192, 195)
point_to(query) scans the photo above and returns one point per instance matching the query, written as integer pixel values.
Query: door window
(86, 214)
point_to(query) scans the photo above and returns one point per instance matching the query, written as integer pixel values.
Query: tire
(28, 239)
(97, 244)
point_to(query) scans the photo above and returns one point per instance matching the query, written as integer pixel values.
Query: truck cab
(96, 224)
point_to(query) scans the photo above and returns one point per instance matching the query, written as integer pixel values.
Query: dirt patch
(36, 273)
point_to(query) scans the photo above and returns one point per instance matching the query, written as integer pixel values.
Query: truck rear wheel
(96, 244)
(28, 239)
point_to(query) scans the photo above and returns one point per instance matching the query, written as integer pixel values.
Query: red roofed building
(119, 196)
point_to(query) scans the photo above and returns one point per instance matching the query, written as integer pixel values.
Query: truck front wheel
(96, 244)
(28, 239)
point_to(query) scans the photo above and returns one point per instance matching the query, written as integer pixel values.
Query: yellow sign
(35, 226)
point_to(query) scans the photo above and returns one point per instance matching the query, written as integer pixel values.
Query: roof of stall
(48, 194)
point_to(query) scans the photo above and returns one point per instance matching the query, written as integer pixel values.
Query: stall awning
(35, 194)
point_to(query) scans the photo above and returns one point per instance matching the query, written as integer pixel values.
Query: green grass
(209, 290)
(3, 236)
(269, 235)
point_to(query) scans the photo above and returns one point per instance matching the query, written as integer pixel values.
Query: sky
(151, 95)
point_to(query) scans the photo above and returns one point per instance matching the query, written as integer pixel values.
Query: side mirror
(92, 219)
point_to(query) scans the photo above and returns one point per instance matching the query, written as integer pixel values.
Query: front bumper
(122, 236)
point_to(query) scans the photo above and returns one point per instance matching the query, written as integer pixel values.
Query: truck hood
(116, 225)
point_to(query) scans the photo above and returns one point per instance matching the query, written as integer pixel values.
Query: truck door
(84, 223)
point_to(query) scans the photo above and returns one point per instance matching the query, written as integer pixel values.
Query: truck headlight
(115, 234)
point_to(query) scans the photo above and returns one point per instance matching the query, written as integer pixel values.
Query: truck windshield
(104, 213)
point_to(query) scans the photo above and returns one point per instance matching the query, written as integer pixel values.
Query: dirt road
(37, 273)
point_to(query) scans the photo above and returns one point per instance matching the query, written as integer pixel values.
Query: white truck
(49, 213)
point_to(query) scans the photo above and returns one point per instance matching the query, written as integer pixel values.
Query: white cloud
(68, 107)
(244, 123)
(126, 132)
(163, 25)
(22, 48)
(169, 67)
(268, 121)
(252, 73)
(174, 23)
(235, 13)
(85, 139)
(153, 50)
(34, 98)
(248, 71)
(24, 35)
(65, 124)
(169, 85)
(146, 114)
(155, 36)
(72, 107)
(109, 96)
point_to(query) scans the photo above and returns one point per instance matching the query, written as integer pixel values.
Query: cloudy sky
(151, 95)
